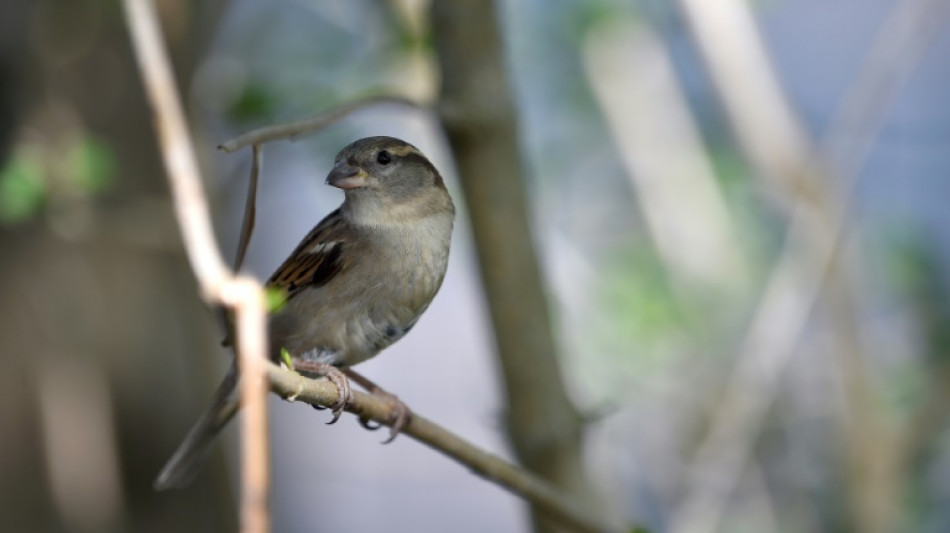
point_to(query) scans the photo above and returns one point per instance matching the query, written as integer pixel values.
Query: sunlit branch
(217, 283)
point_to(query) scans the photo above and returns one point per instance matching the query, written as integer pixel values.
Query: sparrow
(357, 283)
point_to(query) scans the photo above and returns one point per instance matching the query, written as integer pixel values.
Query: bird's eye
(383, 157)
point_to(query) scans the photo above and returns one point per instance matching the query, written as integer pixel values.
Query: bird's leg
(401, 414)
(336, 376)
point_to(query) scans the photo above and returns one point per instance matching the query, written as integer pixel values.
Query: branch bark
(216, 282)
(558, 506)
(478, 115)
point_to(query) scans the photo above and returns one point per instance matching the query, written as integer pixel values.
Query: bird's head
(385, 177)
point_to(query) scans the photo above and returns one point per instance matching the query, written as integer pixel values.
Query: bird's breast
(372, 304)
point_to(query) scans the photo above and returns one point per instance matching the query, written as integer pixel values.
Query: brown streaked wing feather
(306, 267)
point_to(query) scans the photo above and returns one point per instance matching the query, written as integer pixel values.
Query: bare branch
(906, 35)
(808, 259)
(250, 208)
(659, 144)
(217, 283)
(296, 129)
(768, 131)
(189, 199)
(292, 386)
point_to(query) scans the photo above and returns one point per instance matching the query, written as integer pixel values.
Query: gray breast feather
(345, 322)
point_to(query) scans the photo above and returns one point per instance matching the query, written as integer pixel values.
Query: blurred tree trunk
(100, 326)
(481, 122)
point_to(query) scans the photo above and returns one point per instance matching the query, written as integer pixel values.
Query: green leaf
(22, 189)
(285, 357)
(275, 299)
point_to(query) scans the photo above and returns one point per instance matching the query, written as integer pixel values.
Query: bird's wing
(316, 260)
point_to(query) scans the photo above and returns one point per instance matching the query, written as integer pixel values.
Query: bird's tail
(188, 458)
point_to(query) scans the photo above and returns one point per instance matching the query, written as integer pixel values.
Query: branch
(807, 263)
(216, 282)
(250, 208)
(296, 129)
(481, 124)
(294, 387)
(768, 132)
(245, 295)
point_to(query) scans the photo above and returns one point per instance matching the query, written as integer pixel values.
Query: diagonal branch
(293, 387)
(293, 130)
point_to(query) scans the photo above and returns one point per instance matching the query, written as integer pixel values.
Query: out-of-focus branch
(768, 131)
(788, 298)
(739, 66)
(906, 35)
(481, 123)
(877, 459)
(666, 162)
(539, 493)
(216, 282)
(293, 130)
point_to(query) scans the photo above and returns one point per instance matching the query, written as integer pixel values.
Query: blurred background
(699, 277)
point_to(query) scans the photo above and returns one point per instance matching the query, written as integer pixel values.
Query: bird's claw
(335, 376)
(399, 417)
(345, 395)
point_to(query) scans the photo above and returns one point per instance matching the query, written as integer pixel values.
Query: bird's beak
(346, 176)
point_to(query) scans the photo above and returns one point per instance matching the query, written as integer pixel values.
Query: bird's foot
(335, 376)
(400, 414)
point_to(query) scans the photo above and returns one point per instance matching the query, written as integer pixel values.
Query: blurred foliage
(592, 14)
(295, 63)
(915, 269)
(22, 190)
(729, 165)
(90, 165)
(915, 272)
(35, 173)
(639, 307)
(255, 103)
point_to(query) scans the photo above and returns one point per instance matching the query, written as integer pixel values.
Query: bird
(356, 283)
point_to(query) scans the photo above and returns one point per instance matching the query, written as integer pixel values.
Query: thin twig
(296, 129)
(290, 385)
(250, 208)
(216, 282)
